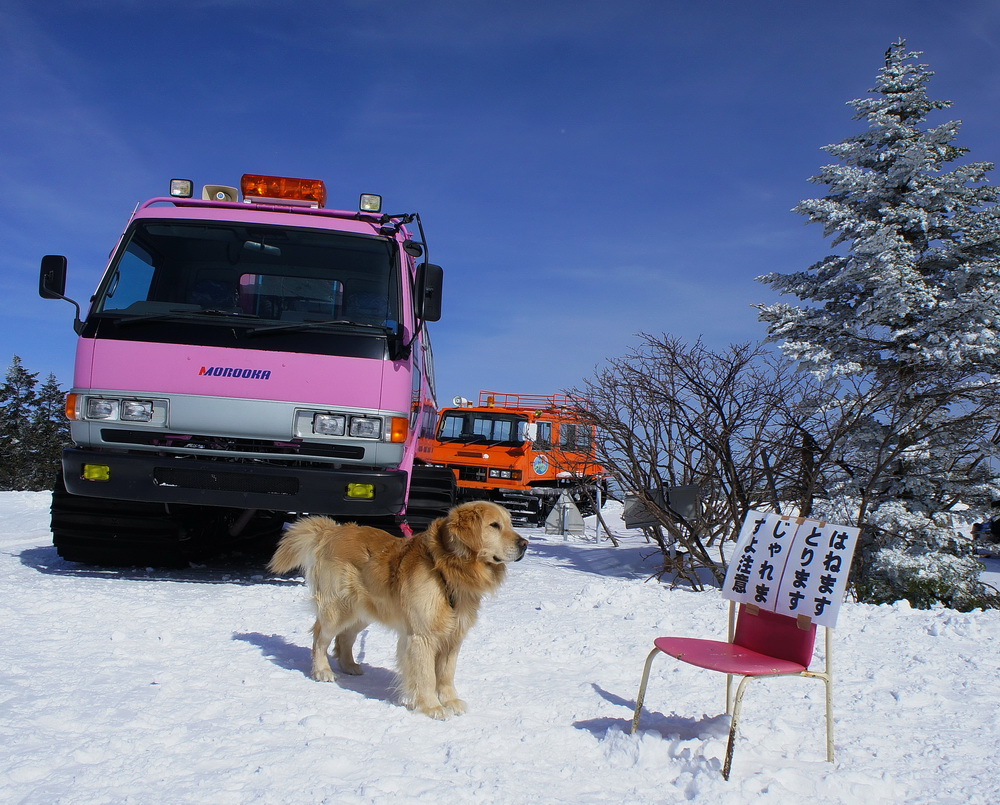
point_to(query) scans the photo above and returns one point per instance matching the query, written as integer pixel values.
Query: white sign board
(791, 565)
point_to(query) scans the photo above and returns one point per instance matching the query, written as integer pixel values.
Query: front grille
(224, 481)
(475, 474)
(232, 445)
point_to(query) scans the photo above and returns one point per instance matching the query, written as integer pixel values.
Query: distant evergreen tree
(33, 429)
(18, 399)
(50, 434)
(907, 321)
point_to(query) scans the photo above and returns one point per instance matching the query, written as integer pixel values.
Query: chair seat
(717, 655)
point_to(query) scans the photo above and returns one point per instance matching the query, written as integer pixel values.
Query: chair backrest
(775, 635)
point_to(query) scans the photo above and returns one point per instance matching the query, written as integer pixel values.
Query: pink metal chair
(761, 644)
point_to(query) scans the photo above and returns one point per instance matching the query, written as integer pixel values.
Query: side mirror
(52, 279)
(52, 284)
(428, 291)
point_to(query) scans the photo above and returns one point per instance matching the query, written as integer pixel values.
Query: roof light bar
(256, 187)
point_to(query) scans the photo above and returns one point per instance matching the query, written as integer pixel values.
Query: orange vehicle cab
(520, 450)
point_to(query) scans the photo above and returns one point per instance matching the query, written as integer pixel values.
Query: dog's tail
(298, 546)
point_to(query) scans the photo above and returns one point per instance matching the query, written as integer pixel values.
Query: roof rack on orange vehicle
(525, 402)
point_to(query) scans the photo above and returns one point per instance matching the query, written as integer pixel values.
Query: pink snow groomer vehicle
(247, 356)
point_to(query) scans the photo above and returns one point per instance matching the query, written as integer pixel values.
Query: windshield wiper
(214, 311)
(139, 318)
(181, 312)
(309, 325)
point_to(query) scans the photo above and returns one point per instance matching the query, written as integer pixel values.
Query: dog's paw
(430, 707)
(323, 675)
(456, 706)
(353, 669)
(440, 713)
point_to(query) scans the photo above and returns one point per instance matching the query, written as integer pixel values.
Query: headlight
(102, 409)
(506, 475)
(110, 409)
(137, 410)
(365, 427)
(329, 424)
(352, 425)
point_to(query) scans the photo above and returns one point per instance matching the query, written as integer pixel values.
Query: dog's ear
(462, 529)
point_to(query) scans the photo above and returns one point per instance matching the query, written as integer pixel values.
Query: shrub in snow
(919, 557)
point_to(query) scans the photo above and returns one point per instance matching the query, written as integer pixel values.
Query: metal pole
(597, 517)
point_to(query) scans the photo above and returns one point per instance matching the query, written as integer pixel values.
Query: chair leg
(828, 680)
(737, 707)
(829, 717)
(642, 689)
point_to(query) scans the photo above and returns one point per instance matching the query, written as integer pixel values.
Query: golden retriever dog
(427, 588)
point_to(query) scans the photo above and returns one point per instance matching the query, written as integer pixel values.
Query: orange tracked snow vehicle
(520, 450)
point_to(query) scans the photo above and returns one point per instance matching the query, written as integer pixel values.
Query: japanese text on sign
(792, 566)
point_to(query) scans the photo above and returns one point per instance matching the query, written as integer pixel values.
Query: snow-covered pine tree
(905, 323)
(50, 434)
(18, 397)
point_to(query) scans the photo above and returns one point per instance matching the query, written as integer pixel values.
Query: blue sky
(585, 170)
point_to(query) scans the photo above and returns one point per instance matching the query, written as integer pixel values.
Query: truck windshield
(267, 274)
(475, 427)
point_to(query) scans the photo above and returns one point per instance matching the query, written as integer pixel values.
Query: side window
(543, 441)
(574, 437)
(567, 435)
(429, 362)
(131, 280)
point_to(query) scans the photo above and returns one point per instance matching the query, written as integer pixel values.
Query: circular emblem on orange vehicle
(540, 465)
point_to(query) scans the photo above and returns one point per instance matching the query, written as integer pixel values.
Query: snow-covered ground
(191, 687)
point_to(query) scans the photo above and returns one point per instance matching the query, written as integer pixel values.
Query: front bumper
(192, 480)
